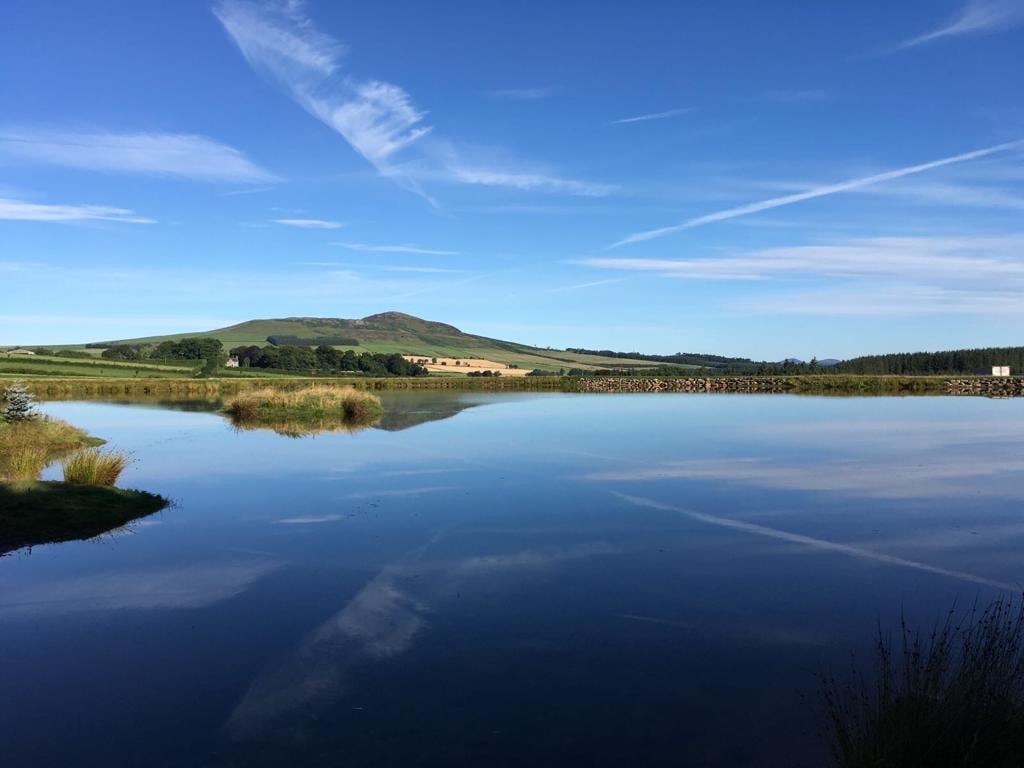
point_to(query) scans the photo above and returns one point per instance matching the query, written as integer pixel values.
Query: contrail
(810, 194)
(819, 544)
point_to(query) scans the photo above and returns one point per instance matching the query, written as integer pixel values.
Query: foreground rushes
(93, 467)
(952, 698)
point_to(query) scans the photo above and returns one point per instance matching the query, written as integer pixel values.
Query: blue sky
(748, 178)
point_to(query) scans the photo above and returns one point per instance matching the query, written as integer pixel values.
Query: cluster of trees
(325, 360)
(484, 373)
(955, 361)
(123, 352)
(209, 351)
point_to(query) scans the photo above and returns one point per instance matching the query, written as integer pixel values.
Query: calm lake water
(503, 580)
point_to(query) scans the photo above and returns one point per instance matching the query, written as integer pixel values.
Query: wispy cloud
(520, 94)
(953, 259)
(976, 17)
(652, 116)
(816, 192)
(588, 284)
(403, 248)
(378, 119)
(981, 276)
(162, 154)
(20, 210)
(309, 223)
(491, 177)
(422, 270)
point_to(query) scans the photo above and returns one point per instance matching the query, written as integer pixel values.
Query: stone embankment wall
(717, 384)
(988, 386)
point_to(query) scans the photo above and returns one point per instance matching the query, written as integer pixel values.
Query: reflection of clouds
(924, 433)
(381, 621)
(403, 491)
(308, 519)
(901, 476)
(817, 544)
(533, 558)
(195, 586)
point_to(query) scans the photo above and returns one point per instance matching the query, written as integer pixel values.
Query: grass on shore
(953, 697)
(35, 513)
(28, 446)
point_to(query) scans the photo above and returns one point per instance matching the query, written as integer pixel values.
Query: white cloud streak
(976, 17)
(652, 116)
(490, 177)
(20, 210)
(378, 119)
(403, 248)
(309, 223)
(161, 154)
(816, 192)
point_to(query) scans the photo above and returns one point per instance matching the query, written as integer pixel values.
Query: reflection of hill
(403, 410)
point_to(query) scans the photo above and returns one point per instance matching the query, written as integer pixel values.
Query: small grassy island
(34, 513)
(83, 506)
(306, 411)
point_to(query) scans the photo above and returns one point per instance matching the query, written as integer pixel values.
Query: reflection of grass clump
(304, 411)
(952, 698)
(91, 467)
(28, 446)
(33, 513)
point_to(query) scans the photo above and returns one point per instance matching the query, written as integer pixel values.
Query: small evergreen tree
(17, 403)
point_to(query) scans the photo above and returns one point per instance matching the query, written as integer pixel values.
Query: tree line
(956, 361)
(325, 360)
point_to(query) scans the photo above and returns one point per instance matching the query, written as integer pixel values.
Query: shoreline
(64, 388)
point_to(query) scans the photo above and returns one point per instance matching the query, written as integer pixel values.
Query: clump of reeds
(92, 467)
(316, 403)
(953, 697)
(27, 446)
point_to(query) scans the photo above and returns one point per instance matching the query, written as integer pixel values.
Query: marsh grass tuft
(92, 467)
(953, 697)
(299, 412)
(28, 446)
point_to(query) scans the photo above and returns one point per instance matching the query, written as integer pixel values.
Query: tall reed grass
(92, 467)
(952, 697)
(28, 446)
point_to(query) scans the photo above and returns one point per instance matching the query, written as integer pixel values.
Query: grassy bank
(28, 446)
(35, 513)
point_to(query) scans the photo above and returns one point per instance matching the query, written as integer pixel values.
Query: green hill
(393, 332)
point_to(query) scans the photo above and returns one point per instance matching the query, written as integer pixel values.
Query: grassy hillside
(396, 332)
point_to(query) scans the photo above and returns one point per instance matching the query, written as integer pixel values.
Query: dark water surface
(495, 580)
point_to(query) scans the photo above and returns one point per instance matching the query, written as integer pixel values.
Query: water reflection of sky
(491, 579)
